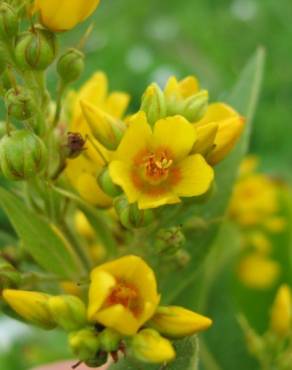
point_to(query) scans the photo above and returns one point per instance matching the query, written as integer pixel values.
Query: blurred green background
(137, 42)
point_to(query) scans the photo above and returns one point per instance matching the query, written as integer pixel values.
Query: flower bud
(19, 104)
(106, 184)
(206, 135)
(281, 314)
(130, 215)
(109, 340)
(83, 226)
(22, 155)
(195, 107)
(8, 22)
(32, 306)
(153, 104)
(84, 344)
(68, 311)
(148, 346)
(105, 128)
(9, 276)
(70, 65)
(99, 360)
(178, 322)
(170, 240)
(36, 49)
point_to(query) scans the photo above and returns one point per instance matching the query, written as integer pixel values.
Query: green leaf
(244, 98)
(50, 250)
(186, 358)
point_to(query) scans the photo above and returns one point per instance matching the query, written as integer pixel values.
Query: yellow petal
(89, 190)
(100, 287)
(118, 318)
(189, 86)
(281, 315)
(172, 87)
(135, 139)
(206, 138)
(196, 176)
(117, 103)
(66, 14)
(147, 201)
(176, 135)
(120, 173)
(217, 112)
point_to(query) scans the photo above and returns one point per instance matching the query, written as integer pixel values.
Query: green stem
(60, 93)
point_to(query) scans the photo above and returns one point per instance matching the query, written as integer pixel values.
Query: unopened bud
(8, 22)
(19, 103)
(130, 215)
(170, 240)
(206, 135)
(99, 360)
(153, 104)
(83, 226)
(32, 306)
(178, 322)
(22, 155)
(106, 184)
(9, 276)
(70, 65)
(281, 314)
(36, 49)
(74, 145)
(85, 344)
(109, 340)
(148, 346)
(68, 311)
(106, 129)
(195, 107)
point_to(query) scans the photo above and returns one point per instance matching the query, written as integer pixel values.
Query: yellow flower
(62, 15)
(229, 129)
(177, 322)
(122, 294)
(281, 314)
(257, 271)
(32, 306)
(83, 171)
(155, 168)
(148, 346)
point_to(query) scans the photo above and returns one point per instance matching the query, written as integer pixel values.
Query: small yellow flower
(154, 167)
(83, 171)
(258, 271)
(178, 322)
(122, 294)
(148, 346)
(281, 314)
(62, 15)
(32, 306)
(229, 129)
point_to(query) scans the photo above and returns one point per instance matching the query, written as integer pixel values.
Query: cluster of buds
(123, 315)
(273, 348)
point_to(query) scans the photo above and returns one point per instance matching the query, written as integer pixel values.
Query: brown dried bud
(75, 144)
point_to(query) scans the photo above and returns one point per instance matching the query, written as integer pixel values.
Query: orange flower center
(127, 295)
(157, 166)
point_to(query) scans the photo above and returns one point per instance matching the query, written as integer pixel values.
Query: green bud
(19, 104)
(195, 106)
(84, 344)
(100, 360)
(109, 340)
(153, 103)
(36, 49)
(68, 311)
(9, 276)
(71, 65)
(22, 155)
(130, 215)
(8, 22)
(106, 184)
(170, 240)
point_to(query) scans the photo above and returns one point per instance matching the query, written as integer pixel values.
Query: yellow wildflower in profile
(62, 15)
(258, 271)
(32, 306)
(83, 171)
(178, 322)
(154, 167)
(281, 314)
(122, 294)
